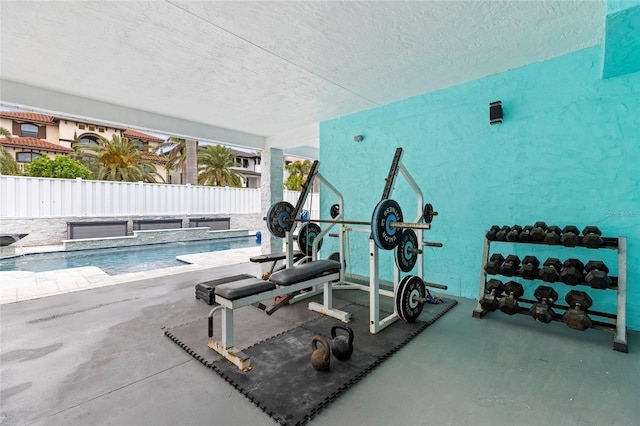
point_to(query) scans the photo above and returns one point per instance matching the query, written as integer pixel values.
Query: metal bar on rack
(478, 312)
(620, 337)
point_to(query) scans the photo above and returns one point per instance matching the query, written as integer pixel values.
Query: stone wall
(153, 237)
(53, 230)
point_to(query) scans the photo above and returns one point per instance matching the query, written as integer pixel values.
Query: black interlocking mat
(282, 382)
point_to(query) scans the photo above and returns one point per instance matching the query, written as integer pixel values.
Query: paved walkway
(16, 286)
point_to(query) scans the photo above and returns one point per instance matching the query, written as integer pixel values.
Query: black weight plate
(396, 297)
(427, 213)
(335, 211)
(405, 259)
(307, 234)
(276, 216)
(409, 309)
(386, 212)
(336, 256)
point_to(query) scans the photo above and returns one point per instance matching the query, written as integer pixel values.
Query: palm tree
(214, 166)
(298, 171)
(118, 159)
(177, 151)
(5, 133)
(174, 149)
(8, 164)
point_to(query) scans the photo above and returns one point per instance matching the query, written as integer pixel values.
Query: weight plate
(407, 307)
(427, 213)
(396, 296)
(276, 216)
(406, 259)
(386, 212)
(335, 211)
(307, 234)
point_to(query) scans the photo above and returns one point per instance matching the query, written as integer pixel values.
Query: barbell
(385, 222)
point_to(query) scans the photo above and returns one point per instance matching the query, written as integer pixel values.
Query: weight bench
(251, 291)
(274, 257)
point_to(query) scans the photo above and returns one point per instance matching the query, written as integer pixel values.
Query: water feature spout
(8, 239)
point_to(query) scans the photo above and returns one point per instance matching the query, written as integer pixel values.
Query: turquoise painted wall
(621, 48)
(568, 152)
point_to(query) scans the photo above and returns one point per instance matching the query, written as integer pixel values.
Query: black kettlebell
(320, 357)
(342, 346)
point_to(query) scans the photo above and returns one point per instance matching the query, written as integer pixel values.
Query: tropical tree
(214, 167)
(118, 159)
(5, 133)
(177, 151)
(61, 167)
(8, 164)
(76, 145)
(298, 171)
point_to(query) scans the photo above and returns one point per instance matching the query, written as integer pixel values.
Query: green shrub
(61, 167)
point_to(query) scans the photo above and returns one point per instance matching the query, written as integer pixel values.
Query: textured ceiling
(264, 68)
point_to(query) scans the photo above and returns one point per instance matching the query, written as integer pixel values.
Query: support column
(271, 192)
(192, 161)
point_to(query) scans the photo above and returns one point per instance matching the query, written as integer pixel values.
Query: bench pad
(304, 272)
(239, 289)
(272, 257)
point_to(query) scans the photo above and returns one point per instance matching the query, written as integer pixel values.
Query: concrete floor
(99, 357)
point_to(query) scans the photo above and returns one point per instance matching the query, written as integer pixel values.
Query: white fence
(28, 197)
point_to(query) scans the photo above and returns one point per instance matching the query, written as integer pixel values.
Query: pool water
(122, 260)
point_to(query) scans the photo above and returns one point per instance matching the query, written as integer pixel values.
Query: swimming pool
(122, 260)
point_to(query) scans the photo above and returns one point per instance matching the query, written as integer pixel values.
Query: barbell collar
(408, 225)
(431, 244)
(434, 285)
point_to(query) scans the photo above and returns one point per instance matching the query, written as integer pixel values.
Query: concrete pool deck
(100, 357)
(17, 286)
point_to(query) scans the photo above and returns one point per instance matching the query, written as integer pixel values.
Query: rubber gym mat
(282, 362)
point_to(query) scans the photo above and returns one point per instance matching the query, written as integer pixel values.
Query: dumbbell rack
(616, 322)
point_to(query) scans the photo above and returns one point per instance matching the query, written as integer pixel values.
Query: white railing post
(189, 199)
(81, 202)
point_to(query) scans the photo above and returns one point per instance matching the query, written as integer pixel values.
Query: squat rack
(376, 323)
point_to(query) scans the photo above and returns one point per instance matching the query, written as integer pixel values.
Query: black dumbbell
(524, 236)
(501, 235)
(491, 233)
(552, 236)
(538, 232)
(510, 266)
(576, 316)
(542, 311)
(597, 275)
(512, 235)
(493, 289)
(591, 237)
(529, 269)
(509, 303)
(570, 236)
(493, 265)
(571, 273)
(550, 271)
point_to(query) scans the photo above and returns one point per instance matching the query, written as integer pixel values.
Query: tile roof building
(35, 135)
